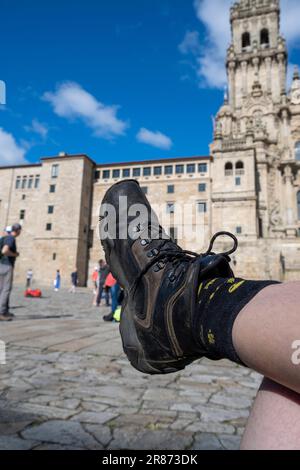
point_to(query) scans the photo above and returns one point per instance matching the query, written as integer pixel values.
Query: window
(30, 182)
(264, 38)
(157, 170)
(50, 209)
(52, 188)
(169, 170)
(297, 151)
(106, 174)
(173, 234)
(97, 174)
(202, 167)
(24, 182)
(179, 169)
(190, 168)
(246, 40)
(228, 169)
(144, 189)
(23, 197)
(171, 189)
(147, 171)
(18, 182)
(126, 173)
(22, 215)
(239, 230)
(54, 171)
(91, 238)
(239, 168)
(238, 181)
(116, 174)
(202, 208)
(48, 227)
(54, 256)
(170, 207)
(202, 188)
(136, 172)
(260, 228)
(298, 203)
(37, 182)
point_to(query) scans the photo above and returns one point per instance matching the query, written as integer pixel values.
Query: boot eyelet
(152, 253)
(158, 267)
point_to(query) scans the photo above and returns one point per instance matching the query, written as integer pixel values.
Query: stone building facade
(249, 185)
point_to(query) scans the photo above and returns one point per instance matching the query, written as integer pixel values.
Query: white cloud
(10, 152)
(190, 43)
(38, 128)
(210, 51)
(72, 102)
(155, 139)
(290, 14)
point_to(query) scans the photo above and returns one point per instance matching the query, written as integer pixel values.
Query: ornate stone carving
(275, 214)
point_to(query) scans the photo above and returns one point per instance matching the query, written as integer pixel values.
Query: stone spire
(247, 8)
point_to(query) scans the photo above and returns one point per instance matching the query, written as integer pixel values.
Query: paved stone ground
(68, 385)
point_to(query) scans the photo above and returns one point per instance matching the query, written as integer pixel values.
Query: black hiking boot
(160, 282)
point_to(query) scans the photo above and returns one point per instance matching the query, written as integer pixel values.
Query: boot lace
(176, 255)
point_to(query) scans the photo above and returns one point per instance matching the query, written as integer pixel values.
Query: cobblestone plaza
(68, 385)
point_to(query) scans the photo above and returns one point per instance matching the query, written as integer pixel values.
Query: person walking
(114, 290)
(102, 275)
(57, 281)
(29, 277)
(8, 255)
(74, 281)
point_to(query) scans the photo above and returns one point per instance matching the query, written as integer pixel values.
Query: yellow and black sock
(219, 303)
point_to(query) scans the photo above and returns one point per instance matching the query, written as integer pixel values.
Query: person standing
(114, 290)
(57, 281)
(102, 275)
(74, 281)
(29, 277)
(8, 255)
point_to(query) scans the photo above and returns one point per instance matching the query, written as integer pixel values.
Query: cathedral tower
(256, 148)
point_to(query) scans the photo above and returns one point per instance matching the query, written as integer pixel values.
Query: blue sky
(117, 80)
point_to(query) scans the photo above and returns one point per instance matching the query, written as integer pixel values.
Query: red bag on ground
(33, 293)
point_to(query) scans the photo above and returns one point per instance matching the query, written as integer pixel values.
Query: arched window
(297, 151)
(264, 37)
(239, 168)
(228, 169)
(246, 40)
(298, 202)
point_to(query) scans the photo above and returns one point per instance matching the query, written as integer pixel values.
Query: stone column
(255, 63)
(244, 79)
(285, 126)
(268, 64)
(281, 62)
(231, 79)
(289, 196)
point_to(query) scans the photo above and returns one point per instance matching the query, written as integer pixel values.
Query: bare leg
(265, 331)
(274, 422)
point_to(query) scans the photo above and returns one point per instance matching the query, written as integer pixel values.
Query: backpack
(2, 240)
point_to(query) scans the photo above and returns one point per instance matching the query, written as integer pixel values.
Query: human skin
(264, 334)
(274, 422)
(266, 330)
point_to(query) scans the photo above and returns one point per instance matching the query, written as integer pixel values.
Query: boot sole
(135, 352)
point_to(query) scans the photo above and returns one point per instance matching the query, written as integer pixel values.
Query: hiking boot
(160, 282)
